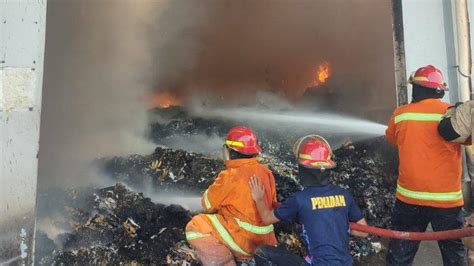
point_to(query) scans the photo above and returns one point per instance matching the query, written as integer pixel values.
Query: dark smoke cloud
(235, 48)
(102, 57)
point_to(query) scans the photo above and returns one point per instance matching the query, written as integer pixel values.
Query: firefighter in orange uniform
(231, 228)
(429, 181)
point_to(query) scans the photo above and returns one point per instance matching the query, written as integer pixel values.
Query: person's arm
(446, 130)
(456, 123)
(390, 131)
(273, 195)
(359, 233)
(355, 215)
(215, 194)
(258, 192)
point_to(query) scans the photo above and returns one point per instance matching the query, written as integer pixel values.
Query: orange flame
(322, 74)
(163, 99)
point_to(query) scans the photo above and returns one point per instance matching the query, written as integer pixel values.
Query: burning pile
(322, 74)
(115, 224)
(163, 99)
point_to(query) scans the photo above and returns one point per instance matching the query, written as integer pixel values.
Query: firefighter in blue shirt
(324, 210)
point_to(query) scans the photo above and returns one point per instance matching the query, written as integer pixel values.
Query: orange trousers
(208, 247)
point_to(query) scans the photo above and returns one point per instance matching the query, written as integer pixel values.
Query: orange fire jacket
(230, 198)
(430, 167)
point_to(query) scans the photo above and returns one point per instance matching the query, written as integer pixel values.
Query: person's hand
(258, 191)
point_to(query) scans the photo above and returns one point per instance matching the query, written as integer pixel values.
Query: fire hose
(440, 235)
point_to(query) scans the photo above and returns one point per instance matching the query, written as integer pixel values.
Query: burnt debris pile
(174, 126)
(165, 169)
(120, 224)
(369, 170)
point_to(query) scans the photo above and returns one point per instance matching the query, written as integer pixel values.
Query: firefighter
(456, 126)
(429, 180)
(231, 227)
(324, 210)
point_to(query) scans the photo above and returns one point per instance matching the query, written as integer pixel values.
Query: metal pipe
(463, 53)
(463, 49)
(399, 53)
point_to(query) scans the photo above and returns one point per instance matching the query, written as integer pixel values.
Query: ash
(119, 224)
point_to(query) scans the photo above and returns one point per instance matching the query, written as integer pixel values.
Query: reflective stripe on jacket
(430, 167)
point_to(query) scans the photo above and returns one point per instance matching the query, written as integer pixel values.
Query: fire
(322, 74)
(163, 99)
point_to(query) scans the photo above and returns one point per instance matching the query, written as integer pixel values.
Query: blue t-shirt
(325, 213)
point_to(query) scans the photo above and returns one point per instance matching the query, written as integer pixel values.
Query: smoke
(192, 203)
(103, 58)
(237, 48)
(50, 226)
(190, 199)
(10, 261)
(185, 199)
(98, 67)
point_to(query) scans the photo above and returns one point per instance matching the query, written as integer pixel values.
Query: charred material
(367, 168)
(115, 225)
(176, 123)
(165, 169)
(121, 226)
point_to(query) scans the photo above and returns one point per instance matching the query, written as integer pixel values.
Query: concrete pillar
(22, 39)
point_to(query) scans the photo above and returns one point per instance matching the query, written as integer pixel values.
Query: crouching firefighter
(231, 228)
(324, 210)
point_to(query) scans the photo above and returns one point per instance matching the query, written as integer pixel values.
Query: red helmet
(243, 140)
(430, 77)
(313, 151)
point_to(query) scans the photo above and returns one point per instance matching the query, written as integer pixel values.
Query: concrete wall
(22, 38)
(430, 38)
